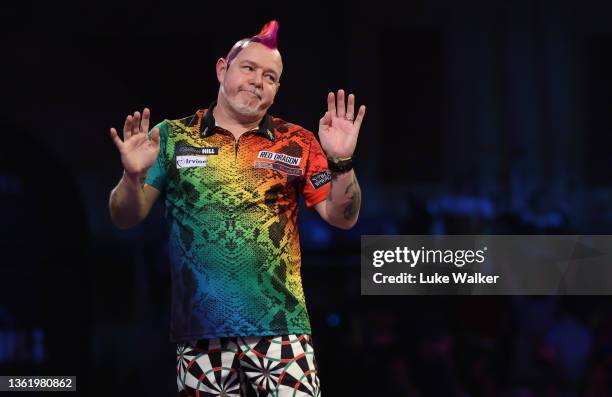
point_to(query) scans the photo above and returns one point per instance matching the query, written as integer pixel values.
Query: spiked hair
(267, 37)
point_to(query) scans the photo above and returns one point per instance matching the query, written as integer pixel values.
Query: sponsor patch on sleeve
(320, 179)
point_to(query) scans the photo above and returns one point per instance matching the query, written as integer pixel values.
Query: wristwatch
(340, 164)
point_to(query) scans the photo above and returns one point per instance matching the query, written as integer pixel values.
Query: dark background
(482, 117)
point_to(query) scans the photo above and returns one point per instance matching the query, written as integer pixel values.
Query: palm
(138, 152)
(339, 128)
(338, 138)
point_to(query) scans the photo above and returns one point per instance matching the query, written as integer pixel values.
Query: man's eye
(249, 68)
(271, 78)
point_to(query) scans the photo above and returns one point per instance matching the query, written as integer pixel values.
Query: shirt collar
(265, 129)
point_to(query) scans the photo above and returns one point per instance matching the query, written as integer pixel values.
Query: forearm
(344, 200)
(127, 202)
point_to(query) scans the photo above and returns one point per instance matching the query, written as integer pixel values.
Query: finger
(350, 111)
(136, 123)
(359, 118)
(144, 126)
(115, 138)
(127, 128)
(155, 136)
(325, 120)
(341, 107)
(331, 104)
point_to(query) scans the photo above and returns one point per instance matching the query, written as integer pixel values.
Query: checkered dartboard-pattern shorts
(280, 366)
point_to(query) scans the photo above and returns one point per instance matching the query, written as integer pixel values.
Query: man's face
(251, 81)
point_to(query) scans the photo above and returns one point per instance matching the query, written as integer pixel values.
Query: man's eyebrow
(245, 61)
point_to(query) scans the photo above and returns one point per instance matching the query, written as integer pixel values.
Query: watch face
(339, 159)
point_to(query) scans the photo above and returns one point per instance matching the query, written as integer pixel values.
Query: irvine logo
(191, 161)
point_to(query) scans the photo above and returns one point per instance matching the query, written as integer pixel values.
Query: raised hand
(138, 152)
(339, 128)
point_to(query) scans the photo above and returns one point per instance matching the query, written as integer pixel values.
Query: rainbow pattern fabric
(232, 208)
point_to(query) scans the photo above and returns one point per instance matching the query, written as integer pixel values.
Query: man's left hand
(339, 127)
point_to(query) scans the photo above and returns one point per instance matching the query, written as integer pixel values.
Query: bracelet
(340, 164)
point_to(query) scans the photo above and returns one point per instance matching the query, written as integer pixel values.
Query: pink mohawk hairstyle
(267, 36)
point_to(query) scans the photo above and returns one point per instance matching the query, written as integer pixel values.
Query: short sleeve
(318, 177)
(156, 176)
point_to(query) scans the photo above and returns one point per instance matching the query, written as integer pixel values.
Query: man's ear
(221, 68)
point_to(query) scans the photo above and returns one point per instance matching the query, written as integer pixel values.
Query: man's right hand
(138, 152)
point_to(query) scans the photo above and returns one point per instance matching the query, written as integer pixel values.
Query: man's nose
(257, 78)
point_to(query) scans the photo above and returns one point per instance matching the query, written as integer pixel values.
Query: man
(230, 176)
